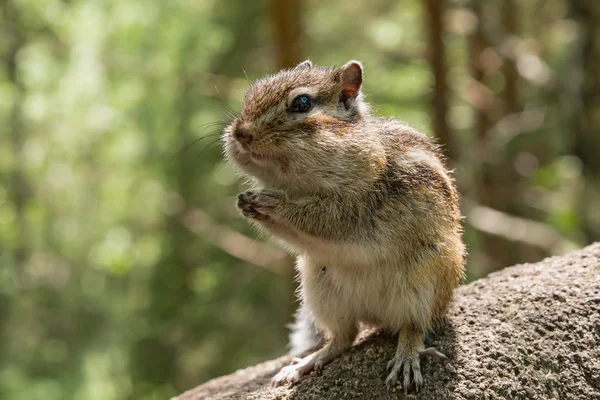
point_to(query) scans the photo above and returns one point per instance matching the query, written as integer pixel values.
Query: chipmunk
(365, 202)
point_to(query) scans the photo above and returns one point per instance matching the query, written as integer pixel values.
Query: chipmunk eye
(301, 104)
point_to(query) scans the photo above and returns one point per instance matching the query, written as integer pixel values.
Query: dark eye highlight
(301, 104)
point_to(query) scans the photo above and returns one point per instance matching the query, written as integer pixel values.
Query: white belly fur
(345, 284)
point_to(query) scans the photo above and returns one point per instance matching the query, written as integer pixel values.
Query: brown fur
(366, 203)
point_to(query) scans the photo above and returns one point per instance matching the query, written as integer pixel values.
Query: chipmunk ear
(351, 79)
(307, 64)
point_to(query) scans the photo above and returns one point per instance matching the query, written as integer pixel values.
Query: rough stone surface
(527, 332)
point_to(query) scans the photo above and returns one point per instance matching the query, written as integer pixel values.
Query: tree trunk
(511, 76)
(434, 10)
(584, 81)
(285, 17)
(19, 189)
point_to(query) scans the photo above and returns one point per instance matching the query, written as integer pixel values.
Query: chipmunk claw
(390, 364)
(433, 353)
(406, 365)
(259, 204)
(246, 203)
(319, 367)
(288, 375)
(292, 373)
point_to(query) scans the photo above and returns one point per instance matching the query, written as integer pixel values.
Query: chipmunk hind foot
(407, 361)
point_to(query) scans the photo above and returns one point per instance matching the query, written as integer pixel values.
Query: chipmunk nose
(242, 135)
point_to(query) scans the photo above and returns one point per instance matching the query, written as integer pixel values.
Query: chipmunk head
(294, 125)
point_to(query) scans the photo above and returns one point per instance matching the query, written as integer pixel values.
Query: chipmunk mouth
(254, 156)
(260, 158)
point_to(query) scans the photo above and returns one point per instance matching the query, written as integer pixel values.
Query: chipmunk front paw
(260, 204)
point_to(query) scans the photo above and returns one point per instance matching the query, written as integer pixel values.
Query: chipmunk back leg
(341, 335)
(406, 361)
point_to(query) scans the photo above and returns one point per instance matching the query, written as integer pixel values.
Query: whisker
(223, 107)
(207, 146)
(219, 154)
(186, 147)
(201, 138)
(224, 102)
(203, 127)
(226, 113)
(248, 79)
(214, 123)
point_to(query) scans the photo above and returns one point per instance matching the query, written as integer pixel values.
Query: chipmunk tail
(304, 335)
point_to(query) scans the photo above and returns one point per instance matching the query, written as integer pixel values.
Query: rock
(530, 331)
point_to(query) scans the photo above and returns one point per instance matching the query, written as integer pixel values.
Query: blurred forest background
(126, 272)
